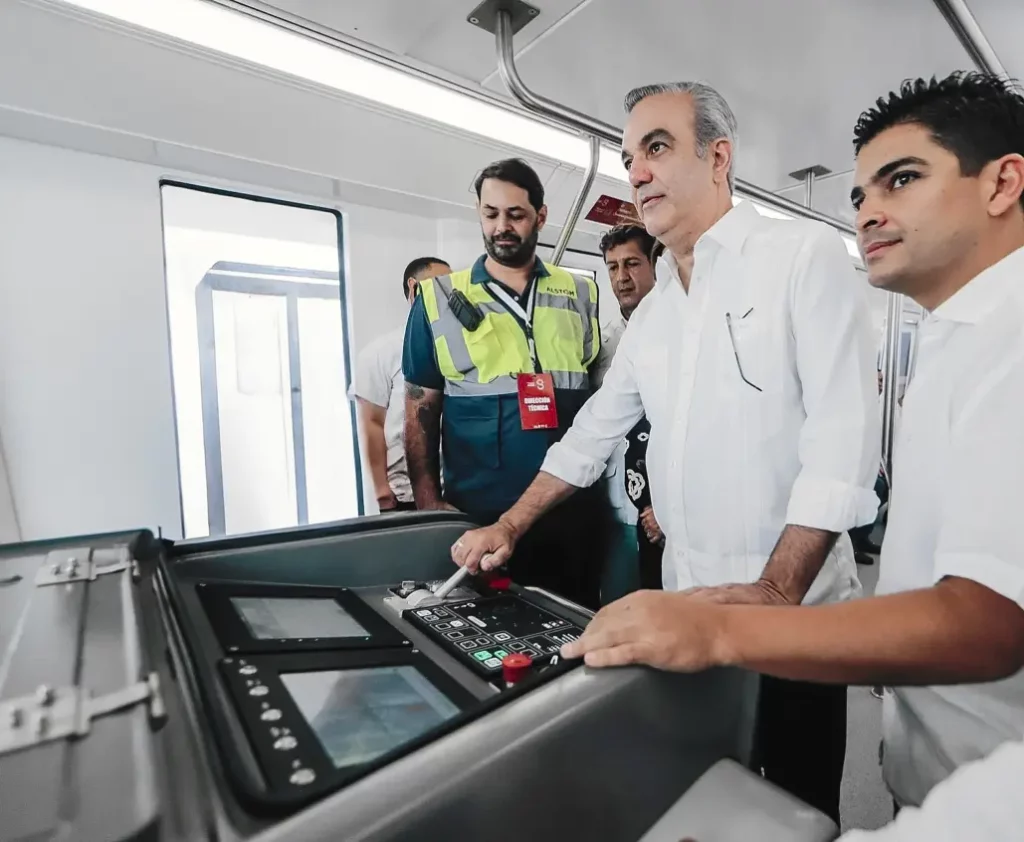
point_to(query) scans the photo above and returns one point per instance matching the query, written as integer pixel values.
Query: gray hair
(712, 116)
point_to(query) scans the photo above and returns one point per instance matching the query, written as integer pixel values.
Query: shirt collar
(480, 275)
(730, 232)
(983, 293)
(732, 229)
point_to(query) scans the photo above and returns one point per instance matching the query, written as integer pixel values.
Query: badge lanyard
(525, 317)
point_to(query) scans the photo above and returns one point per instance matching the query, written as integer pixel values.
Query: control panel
(481, 632)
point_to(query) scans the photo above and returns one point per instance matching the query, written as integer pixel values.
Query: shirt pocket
(743, 345)
(470, 435)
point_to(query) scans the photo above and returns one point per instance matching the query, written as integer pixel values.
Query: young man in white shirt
(379, 390)
(940, 216)
(754, 363)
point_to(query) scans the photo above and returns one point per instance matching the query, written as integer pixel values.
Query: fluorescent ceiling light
(235, 34)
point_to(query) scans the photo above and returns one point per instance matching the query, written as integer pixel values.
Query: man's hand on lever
(490, 547)
(487, 548)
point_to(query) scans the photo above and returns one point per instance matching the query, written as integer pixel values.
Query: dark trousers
(405, 507)
(565, 551)
(650, 560)
(800, 741)
(861, 535)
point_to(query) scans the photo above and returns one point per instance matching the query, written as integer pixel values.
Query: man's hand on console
(485, 549)
(669, 631)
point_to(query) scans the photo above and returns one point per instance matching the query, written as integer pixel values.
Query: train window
(256, 301)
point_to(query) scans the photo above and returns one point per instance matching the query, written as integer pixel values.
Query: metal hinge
(84, 565)
(67, 712)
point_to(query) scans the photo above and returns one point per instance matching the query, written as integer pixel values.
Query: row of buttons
(454, 624)
(432, 615)
(283, 739)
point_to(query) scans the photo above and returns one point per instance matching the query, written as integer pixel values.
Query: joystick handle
(452, 582)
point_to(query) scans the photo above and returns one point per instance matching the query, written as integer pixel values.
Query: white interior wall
(86, 415)
(9, 529)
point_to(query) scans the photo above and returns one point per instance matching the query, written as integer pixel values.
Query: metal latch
(67, 712)
(85, 565)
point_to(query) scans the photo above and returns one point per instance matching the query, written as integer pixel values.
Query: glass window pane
(258, 351)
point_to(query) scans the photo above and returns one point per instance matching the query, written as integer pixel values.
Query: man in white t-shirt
(939, 194)
(379, 390)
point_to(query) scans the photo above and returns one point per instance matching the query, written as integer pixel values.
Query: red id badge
(537, 409)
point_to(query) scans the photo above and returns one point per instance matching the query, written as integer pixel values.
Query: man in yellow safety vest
(496, 363)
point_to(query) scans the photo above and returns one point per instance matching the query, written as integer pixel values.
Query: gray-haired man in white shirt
(754, 363)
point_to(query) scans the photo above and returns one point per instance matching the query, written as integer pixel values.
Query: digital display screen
(289, 618)
(360, 714)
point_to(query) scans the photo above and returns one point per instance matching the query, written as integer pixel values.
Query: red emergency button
(515, 667)
(501, 583)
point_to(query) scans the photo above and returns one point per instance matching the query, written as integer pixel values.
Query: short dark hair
(417, 266)
(979, 117)
(622, 234)
(515, 171)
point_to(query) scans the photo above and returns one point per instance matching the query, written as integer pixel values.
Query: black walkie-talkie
(462, 308)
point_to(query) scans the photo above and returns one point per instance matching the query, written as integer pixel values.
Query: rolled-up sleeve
(582, 454)
(419, 365)
(840, 440)
(984, 486)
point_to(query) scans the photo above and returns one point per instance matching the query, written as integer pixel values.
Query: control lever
(455, 580)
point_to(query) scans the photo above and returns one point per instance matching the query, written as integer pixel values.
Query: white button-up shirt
(732, 463)
(625, 511)
(958, 492)
(981, 802)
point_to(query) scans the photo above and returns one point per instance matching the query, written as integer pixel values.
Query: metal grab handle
(576, 121)
(577, 204)
(894, 327)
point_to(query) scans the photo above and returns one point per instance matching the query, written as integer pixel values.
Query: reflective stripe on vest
(486, 361)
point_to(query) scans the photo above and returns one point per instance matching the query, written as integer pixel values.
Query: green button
(500, 653)
(482, 655)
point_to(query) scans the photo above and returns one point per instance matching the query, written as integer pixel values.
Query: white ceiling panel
(469, 51)
(434, 33)
(1003, 24)
(394, 26)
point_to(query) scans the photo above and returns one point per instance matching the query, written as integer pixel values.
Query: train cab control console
(320, 684)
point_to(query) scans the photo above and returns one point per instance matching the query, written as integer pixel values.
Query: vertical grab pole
(894, 324)
(577, 204)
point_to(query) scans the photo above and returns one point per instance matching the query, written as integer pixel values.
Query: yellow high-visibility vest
(486, 361)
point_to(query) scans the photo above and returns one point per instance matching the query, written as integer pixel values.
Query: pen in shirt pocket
(735, 351)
